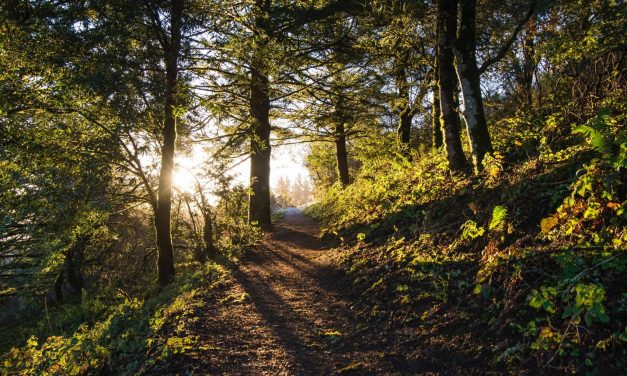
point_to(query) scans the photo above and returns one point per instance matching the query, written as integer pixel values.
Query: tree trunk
(405, 114)
(165, 262)
(207, 236)
(529, 63)
(449, 122)
(73, 263)
(260, 151)
(404, 131)
(436, 128)
(468, 74)
(341, 154)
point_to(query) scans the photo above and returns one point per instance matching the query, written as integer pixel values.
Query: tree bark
(341, 154)
(436, 128)
(165, 262)
(207, 236)
(525, 80)
(406, 114)
(259, 211)
(260, 152)
(468, 73)
(449, 121)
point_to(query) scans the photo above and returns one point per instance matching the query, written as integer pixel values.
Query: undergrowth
(529, 255)
(114, 333)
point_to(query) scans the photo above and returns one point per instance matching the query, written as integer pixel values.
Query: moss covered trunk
(469, 78)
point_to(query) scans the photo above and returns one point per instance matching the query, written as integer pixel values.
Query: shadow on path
(287, 311)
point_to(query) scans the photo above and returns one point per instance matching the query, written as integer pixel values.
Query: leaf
(547, 224)
(596, 131)
(499, 216)
(471, 231)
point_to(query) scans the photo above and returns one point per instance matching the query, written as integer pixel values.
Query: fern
(499, 216)
(597, 131)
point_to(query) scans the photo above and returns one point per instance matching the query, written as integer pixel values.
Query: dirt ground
(287, 311)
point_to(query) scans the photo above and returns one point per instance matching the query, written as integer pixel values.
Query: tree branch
(508, 44)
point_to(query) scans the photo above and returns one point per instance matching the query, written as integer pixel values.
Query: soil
(288, 311)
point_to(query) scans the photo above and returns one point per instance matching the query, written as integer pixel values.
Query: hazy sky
(287, 161)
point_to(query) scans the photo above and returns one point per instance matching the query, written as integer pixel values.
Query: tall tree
(446, 28)
(260, 148)
(436, 127)
(257, 54)
(171, 46)
(464, 48)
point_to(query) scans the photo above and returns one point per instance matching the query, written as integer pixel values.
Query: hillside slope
(519, 268)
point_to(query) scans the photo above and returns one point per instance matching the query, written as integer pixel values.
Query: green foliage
(543, 299)
(573, 297)
(596, 132)
(612, 149)
(499, 218)
(470, 230)
(128, 337)
(593, 212)
(493, 168)
(588, 299)
(386, 187)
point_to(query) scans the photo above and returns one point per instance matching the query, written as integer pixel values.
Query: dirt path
(287, 312)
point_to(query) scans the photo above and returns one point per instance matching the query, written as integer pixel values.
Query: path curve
(287, 312)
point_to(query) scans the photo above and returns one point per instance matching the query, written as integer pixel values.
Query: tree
(128, 58)
(283, 193)
(436, 127)
(447, 27)
(55, 164)
(257, 42)
(171, 46)
(260, 148)
(464, 48)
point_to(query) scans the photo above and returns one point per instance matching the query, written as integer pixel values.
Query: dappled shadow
(284, 322)
(287, 310)
(299, 238)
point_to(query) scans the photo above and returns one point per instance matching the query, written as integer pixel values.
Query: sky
(287, 161)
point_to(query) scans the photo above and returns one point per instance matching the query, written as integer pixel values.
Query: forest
(461, 207)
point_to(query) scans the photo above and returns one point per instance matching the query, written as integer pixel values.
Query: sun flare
(184, 180)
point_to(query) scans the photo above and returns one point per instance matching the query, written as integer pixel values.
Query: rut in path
(287, 312)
